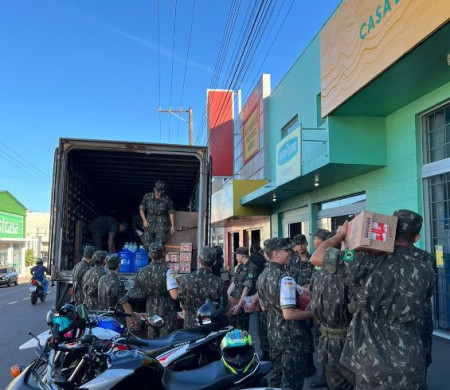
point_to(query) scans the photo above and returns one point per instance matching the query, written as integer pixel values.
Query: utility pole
(181, 111)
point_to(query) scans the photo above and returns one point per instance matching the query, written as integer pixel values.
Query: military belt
(333, 333)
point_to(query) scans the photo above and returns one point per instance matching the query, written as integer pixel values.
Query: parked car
(8, 276)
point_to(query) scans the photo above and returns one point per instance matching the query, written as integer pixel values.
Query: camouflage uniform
(288, 340)
(329, 304)
(110, 288)
(245, 276)
(262, 325)
(383, 345)
(78, 272)
(154, 282)
(90, 286)
(426, 323)
(101, 226)
(156, 212)
(195, 289)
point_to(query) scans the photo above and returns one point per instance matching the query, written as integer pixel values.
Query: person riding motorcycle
(38, 273)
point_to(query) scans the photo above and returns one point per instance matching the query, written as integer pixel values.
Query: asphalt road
(17, 317)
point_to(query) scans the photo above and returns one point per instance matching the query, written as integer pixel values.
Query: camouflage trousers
(262, 333)
(338, 377)
(149, 238)
(426, 334)
(240, 321)
(289, 362)
(91, 302)
(169, 326)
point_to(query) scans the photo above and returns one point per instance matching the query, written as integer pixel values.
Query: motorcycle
(180, 350)
(103, 366)
(36, 291)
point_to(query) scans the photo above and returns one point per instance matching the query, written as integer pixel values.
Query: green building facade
(385, 146)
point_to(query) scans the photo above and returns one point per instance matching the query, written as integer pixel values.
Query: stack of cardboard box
(185, 257)
(179, 261)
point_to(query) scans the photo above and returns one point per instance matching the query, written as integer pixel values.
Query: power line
(273, 41)
(159, 69)
(243, 54)
(18, 164)
(186, 61)
(173, 58)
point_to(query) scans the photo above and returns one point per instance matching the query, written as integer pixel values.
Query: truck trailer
(94, 178)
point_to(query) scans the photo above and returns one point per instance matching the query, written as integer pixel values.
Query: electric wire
(18, 164)
(173, 59)
(159, 70)
(185, 63)
(249, 41)
(220, 62)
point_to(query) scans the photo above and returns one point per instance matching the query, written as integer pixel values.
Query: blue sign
(288, 151)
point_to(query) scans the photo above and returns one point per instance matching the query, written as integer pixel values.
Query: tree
(30, 257)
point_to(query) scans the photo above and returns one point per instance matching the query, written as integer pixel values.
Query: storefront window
(436, 137)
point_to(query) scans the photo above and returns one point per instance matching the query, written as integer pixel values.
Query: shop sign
(288, 157)
(11, 226)
(363, 38)
(251, 135)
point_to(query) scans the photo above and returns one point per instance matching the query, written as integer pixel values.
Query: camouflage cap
(330, 260)
(112, 261)
(99, 257)
(299, 238)
(155, 247)
(276, 243)
(208, 255)
(160, 187)
(323, 234)
(89, 250)
(408, 221)
(242, 250)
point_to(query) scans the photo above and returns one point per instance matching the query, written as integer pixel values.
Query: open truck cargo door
(94, 178)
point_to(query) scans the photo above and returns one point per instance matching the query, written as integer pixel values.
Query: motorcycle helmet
(39, 261)
(237, 351)
(68, 325)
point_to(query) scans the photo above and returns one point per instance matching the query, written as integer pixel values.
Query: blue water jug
(126, 261)
(141, 259)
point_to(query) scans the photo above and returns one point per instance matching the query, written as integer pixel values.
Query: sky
(89, 69)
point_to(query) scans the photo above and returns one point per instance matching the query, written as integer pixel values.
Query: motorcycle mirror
(155, 321)
(50, 315)
(83, 311)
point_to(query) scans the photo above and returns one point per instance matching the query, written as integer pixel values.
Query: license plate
(32, 288)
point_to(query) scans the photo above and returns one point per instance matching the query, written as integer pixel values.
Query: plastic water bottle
(126, 260)
(141, 259)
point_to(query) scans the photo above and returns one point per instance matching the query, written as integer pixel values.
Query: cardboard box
(173, 257)
(186, 247)
(185, 268)
(371, 232)
(185, 257)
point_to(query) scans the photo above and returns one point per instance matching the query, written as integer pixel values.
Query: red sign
(220, 131)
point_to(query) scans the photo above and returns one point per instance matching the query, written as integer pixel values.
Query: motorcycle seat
(211, 376)
(155, 347)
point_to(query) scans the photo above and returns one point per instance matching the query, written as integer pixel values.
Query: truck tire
(33, 298)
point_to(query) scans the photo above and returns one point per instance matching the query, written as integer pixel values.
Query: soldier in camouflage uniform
(103, 230)
(156, 210)
(243, 285)
(91, 278)
(330, 298)
(199, 286)
(78, 272)
(302, 270)
(383, 345)
(426, 323)
(288, 339)
(158, 284)
(110, 287)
